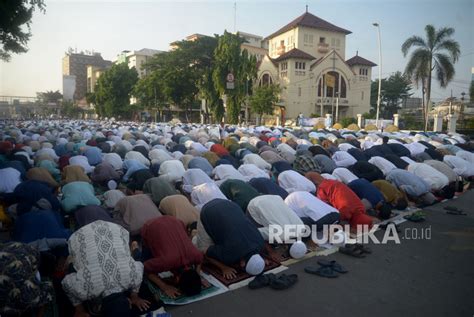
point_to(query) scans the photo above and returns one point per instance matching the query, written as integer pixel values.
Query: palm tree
(437, 52)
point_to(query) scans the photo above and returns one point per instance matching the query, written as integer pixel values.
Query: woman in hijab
(179, 207)
(103, 173)
(35, 194)
(158, 189)
(133, 211)
(41, 174)
(78, 194)
(39, 224)
(112, 197)
(74, 173)
(89, 214)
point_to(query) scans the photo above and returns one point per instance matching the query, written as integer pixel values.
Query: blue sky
(112, 26)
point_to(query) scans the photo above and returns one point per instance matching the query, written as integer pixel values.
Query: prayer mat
(241, 274)
(215, 288)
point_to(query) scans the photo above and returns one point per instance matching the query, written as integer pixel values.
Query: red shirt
(342, 198)
(169, 244)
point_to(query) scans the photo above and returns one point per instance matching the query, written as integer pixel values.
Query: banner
(330, 80)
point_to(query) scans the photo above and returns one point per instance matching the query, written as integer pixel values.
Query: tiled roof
(294, 53)
(357, 60)
(311, 21)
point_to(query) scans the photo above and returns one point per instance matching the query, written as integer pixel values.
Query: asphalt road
(432, 277)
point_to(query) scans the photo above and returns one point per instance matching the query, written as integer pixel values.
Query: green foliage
(113, 91)
(49, 96)
(369, 115)
(71, 111)
(229, 58)
(469, 123)
(410, 122)
(15, 25)
(264, 98)
(395, 89)
(345, 122)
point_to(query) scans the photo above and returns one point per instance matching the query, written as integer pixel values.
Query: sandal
(350, 249)
(283, 281)
(334, 265)
(261, 281)
(323, 271)
(455, 211)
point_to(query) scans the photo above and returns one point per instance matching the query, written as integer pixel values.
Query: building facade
(307, 58)
(75, 64)
(137, 59)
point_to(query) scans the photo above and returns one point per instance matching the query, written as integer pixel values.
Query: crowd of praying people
(93, 211)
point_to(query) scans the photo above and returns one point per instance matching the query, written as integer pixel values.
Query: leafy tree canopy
(15, 25)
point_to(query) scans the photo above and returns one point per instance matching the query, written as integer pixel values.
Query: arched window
(266, 80)
(340, 86)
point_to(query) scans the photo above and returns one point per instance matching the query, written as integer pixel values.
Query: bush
(370, 127)
(337, 126)
(353, 127)
(345, 122)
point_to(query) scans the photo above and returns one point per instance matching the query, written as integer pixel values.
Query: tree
(263, 99)
(49, 96)
(14, 15)
(229, 58)
(395, 89)
(437, 52)
(113, 91)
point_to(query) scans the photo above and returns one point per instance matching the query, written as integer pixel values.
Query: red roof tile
(311, 21)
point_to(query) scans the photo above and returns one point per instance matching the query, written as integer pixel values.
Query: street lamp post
(380, 75)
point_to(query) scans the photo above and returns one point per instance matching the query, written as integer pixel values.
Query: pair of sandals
(455, 211)
(329, 269)
(355, 250)
(277, 282)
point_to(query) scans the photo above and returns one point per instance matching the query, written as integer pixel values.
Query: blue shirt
(365, 190)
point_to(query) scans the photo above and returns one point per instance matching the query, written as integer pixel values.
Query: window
(361, 95)
(284, 66)
(308, 38)
(300, 65)
(320, 87)
(333, 41)
(299, 91)
(266, 80)
(282, 43)
(322, 40)
(338, 42)
(311, 39)
(363, 71)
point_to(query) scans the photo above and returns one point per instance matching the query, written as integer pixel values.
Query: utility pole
(380, 75)
(235, 17)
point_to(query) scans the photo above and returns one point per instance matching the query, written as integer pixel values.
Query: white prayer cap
(112, 184)
(255, 265)
(298, 250)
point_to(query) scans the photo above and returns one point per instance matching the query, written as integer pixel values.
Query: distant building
(69, 87)
(192, 37)
(75, 64)
(411, 104)
(307, 58)
(255, 45)
(93, 74)
(137, 59)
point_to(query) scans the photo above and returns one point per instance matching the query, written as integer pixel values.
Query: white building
(302, 58)
(137, 59)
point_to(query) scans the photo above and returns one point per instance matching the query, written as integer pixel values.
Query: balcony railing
(323, 48)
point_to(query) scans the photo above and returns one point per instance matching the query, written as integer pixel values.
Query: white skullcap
(255, 265)
(298, 250)
(112, 184)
